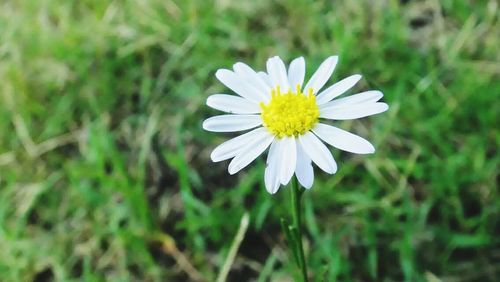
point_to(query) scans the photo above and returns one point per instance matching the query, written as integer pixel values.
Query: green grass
(105, 172)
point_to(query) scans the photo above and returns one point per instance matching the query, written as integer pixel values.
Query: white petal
(296, 72)
(321, 76)
(273, 150)
(353, 111)
(288, 159)
(239, 85)
(366, 97)
(304, 170)
(277, 73)
(271, 175)
(265, 78)
(337, 89)
(232, 104)
(245, 71)
(230, 123)
(250, 152)
(343, 140)
(232, 147)
(318, 152)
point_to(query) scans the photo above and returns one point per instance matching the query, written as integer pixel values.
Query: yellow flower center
(291, 113)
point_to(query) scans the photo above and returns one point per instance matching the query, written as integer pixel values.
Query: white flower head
(286, 117)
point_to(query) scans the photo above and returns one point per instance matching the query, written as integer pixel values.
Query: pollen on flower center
(291, 113)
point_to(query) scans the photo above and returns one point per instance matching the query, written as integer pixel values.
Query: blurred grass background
(105, 172)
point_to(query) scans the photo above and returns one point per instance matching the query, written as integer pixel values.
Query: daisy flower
(287, 116)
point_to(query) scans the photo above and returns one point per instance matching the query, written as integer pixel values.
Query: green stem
(296, 194)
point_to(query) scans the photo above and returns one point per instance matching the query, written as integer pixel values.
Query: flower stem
(296, 195)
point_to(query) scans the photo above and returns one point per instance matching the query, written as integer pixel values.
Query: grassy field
(104, 167)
